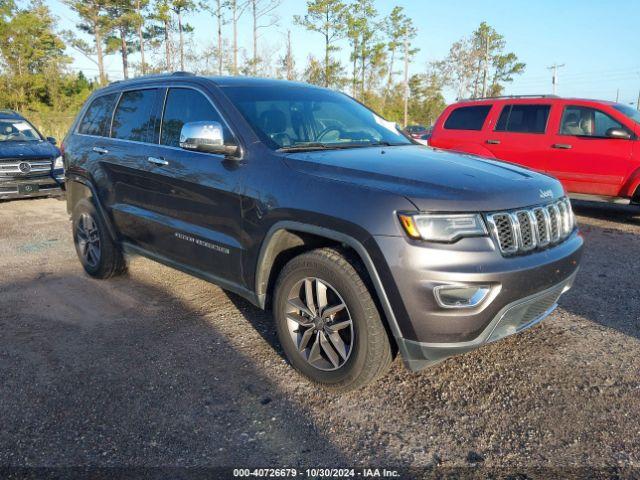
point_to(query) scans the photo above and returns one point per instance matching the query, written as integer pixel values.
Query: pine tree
(95, 22)
(326, 17)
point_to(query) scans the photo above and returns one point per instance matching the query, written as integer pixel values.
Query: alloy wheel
(319, 324)
(88, 239)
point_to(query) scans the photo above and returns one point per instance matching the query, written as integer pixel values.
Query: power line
(616, 71)
(584, 81)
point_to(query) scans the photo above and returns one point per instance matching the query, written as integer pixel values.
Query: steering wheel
(327, 130)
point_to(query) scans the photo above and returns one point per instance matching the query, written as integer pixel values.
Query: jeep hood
(434, 180)
(27, 150)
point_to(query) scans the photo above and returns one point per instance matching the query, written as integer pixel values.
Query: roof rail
(156, 75)
(500, 97)
(8, 111)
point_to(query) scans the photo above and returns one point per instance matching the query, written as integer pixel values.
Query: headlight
(58, 164)
(443, 227)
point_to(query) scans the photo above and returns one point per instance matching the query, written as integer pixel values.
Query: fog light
(460, 296)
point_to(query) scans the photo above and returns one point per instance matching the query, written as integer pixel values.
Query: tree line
(152, 36)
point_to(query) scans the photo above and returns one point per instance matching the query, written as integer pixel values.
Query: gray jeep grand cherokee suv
(302, 200)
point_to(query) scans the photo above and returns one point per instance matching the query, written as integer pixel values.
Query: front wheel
(327, 321)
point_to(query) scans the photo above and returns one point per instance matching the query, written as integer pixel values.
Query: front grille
(17, 167)
(528, 229)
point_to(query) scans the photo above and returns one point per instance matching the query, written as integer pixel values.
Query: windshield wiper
(336, 146)
(386, 144)
(306, 146)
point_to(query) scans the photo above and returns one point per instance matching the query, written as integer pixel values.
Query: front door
(193, 198)
(583, 157)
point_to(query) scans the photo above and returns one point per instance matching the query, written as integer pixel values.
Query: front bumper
(520, 287)
(46, 186)
(513, 318)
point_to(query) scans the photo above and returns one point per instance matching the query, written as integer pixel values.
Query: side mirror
(52, 140)
(618, 133)
(205, 137)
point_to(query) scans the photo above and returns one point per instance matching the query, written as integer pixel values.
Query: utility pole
(554, 79)
(617, 95)
(638, 104)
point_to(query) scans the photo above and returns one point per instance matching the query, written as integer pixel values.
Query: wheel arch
(80, 188)
(631, 188)
(289, 238)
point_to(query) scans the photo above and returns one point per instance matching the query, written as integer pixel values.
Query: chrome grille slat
(525, 227)
(501, 224)
(543, 226)
(37, 167)
(528, 229)
(564, 218)
(554, 216)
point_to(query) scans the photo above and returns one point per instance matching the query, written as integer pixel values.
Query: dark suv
(30, 165)
(300, 199)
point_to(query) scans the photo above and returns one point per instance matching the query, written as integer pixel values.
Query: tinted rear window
(97, 119)
(134, 119)
(523, 118)
(467, 118)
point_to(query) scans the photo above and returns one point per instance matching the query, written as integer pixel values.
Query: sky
(597, 41)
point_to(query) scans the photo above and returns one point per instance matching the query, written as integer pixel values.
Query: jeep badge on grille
(546, 194)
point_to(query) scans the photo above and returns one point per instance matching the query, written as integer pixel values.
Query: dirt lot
(158, 368)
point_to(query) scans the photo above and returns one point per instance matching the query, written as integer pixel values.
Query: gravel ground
(157, 368)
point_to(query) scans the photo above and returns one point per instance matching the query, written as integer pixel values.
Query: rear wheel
(327, 322)
(100, 256)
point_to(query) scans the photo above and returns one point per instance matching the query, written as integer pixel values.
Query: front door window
(587, 122)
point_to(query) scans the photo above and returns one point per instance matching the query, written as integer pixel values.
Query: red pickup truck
(591, 146)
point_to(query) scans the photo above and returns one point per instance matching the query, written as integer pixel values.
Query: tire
(365, 353)
(99, 255)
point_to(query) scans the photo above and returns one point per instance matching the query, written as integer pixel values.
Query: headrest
(273, 121)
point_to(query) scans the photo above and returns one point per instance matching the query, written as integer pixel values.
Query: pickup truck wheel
(327, 322)
(98, 254)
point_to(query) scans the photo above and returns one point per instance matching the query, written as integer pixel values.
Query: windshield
(17, 131)
(630, 112)
(299, 118)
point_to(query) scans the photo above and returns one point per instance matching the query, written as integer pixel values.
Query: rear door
(134, 129)
(519, 135)
(583, 157)
(85, 148)
(191, 200)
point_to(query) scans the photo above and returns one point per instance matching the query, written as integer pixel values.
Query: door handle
(493, 142)
(157, 161)
(563, 146)
(100, 150)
